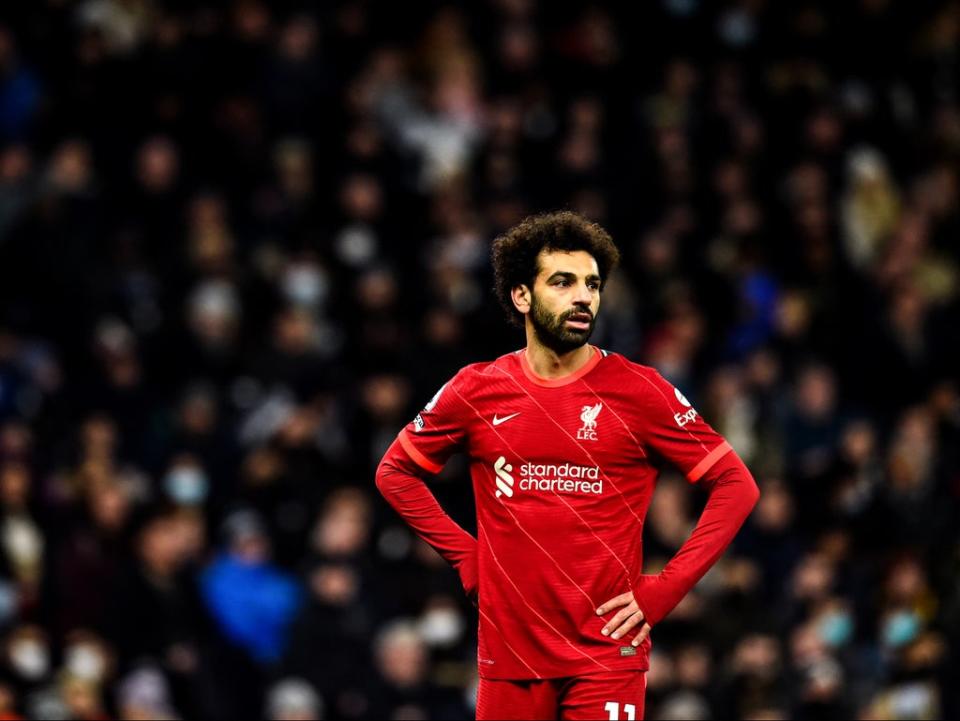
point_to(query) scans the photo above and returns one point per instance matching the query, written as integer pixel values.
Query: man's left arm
(676, 431)
(732, 495)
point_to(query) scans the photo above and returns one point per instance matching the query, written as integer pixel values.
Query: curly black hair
(515, 252)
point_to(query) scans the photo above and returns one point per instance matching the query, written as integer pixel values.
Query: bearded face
(564, 331)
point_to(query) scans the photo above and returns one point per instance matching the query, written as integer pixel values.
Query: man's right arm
(399, 479)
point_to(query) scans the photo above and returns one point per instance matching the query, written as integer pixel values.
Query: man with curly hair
(563, 440)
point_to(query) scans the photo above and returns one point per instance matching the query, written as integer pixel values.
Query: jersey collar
(562, 380)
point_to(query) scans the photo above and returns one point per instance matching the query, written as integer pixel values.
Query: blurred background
(242, 243)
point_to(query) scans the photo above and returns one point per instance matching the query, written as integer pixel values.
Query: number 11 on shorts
(613, 709)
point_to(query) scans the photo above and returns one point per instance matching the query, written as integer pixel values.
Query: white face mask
(441, 627)
(23, 542)
(356, 246)
(306, 285)
(30, 659)
(86, 662)
(186, 484)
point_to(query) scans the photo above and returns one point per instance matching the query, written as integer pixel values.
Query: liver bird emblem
(589, 416)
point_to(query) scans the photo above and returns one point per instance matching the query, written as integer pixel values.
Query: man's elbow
(385, 473)
(749, 490)
(747, 484)
(394, 471)
(752, 493)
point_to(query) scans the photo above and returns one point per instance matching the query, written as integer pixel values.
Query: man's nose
(583, 296)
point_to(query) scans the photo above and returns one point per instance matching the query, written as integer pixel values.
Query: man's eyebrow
(569, 275)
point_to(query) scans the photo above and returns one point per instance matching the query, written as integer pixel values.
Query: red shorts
(617, 696)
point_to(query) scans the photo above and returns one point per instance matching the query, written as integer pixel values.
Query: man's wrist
(652, 598)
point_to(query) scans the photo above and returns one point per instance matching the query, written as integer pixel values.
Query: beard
(552, 331)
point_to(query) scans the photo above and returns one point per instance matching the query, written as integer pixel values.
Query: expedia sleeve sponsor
(671, 426)
(683, 419)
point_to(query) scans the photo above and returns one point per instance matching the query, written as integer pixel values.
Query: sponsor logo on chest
(547, 478)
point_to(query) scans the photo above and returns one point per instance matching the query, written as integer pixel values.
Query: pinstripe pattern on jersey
(574, 440)
(503, 571)
(559, 496)
(665, 399)
(506, 507)
(509, 647)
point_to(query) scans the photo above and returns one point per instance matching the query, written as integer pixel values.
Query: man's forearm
(733, 494)
(406, 491)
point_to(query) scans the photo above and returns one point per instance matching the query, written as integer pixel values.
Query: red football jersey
(562, 474)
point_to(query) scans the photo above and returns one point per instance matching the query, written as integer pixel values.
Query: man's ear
(521, 298)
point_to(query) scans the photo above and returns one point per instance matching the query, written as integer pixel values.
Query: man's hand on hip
(626, 619)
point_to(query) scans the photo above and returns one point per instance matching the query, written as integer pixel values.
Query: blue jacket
(252, 603)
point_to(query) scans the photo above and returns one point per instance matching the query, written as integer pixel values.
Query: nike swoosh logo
(498, 421)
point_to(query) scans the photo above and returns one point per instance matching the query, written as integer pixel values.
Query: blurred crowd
(242, 243)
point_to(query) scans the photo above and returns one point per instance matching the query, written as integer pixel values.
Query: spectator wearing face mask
(293, 699)
(29, 673)
(88, 658)
(27, 659)
(145, 694)
(22, 542)
(404, 687)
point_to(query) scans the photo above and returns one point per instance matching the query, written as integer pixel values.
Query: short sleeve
(438, 430)
(674, 429)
